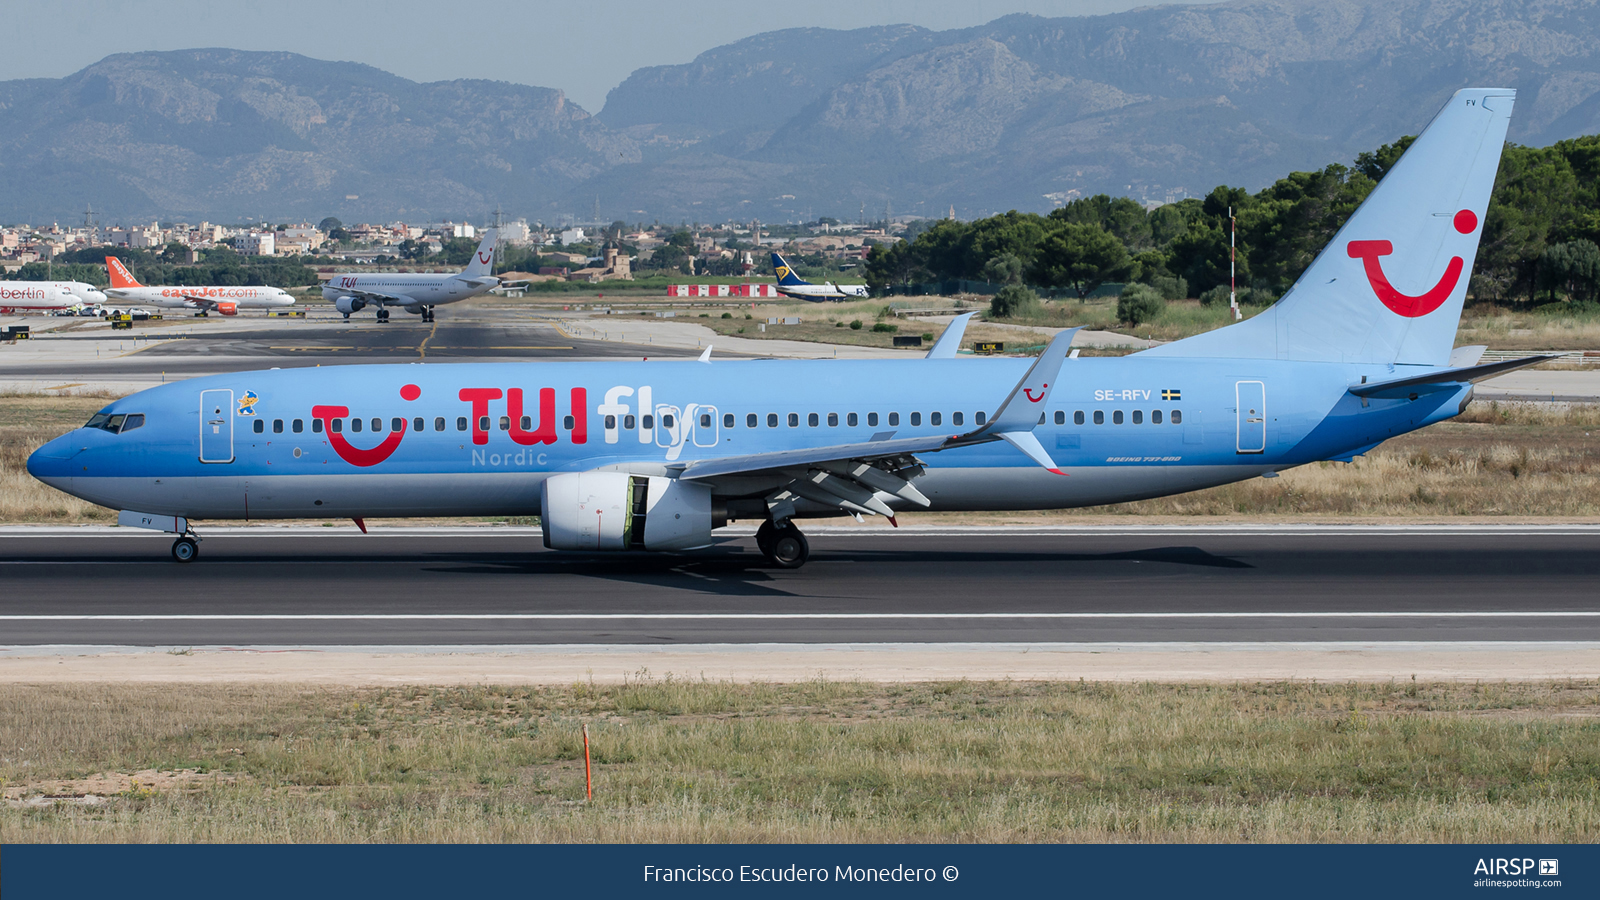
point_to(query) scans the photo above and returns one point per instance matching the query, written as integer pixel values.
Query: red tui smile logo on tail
(1406, 305)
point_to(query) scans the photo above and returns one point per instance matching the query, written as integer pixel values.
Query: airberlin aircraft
(416, 293)
(29, 297)
(656, 455)
(227, 300)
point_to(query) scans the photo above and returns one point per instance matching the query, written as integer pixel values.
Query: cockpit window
(115, 423)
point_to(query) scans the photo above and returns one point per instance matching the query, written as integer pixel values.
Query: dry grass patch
(681, 761)
(27, 422)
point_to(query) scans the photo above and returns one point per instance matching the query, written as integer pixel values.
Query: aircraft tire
(383, 315)
(790, 550)
(764, 536)
(185, 550)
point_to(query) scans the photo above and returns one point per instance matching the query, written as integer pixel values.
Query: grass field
(1496, 460)
(678, 761)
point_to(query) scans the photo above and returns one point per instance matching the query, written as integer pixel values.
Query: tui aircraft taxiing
(656, 455)
(415, 292)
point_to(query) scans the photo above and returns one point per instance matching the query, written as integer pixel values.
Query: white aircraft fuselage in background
(415, 292)
(227, 300)
(23, 297)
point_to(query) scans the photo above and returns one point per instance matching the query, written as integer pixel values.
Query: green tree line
(1539, 240)
(219, 266)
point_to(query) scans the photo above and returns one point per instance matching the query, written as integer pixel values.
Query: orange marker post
(588, 777)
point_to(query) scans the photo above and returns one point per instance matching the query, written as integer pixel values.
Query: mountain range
(1024, 112)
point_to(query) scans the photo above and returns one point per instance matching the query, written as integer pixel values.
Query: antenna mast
(1233, 242)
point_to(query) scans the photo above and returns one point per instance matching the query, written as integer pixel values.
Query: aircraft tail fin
(482, 262)
(1390, 285)
(785, 272)
(119, 274)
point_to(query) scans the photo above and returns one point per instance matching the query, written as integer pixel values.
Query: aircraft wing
(379, 297)
(850, 476)
(1439, 379)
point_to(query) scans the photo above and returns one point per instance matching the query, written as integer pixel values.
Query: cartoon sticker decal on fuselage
(485, 428)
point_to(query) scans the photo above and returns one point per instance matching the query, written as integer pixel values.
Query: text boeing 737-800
(656, 455)
(416, 293)
(225, 299)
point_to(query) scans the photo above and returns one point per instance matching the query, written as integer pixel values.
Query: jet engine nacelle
(348, 305)
(618, 511)
(228, 309)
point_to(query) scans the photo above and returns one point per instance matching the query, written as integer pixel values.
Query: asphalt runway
(488, 586)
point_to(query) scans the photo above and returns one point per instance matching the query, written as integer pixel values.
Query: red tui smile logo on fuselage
(1406, 305)
(349, 452)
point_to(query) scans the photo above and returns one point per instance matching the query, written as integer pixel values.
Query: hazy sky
(585, 49)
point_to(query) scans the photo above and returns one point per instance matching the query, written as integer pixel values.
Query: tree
(1574, 267)
(1079, 257)
(1140, 303)
(1007, 268)
(1014, 301)
(410, 249)
(1376, 163)
(326, 226)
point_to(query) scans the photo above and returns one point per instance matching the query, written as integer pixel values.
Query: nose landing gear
(783, 545)
(186, 549)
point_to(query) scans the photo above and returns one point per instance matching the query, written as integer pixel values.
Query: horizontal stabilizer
(1399, 387)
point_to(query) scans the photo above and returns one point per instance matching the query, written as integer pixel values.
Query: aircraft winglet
(706, 356)
(950, 341)
(1029, 445)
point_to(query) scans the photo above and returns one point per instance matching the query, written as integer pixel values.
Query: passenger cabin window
(355, 425)
(567, 423)
(649, 423)
(1061, 417)
(955, 418)
(277, 426)
(794, 420)
(981, 417)
(833, 420)
(505, 423)
(772, 420)
(1138, 417)
(666, 421)
(894, 418)
(438, 423)
(935, 418)
(526, 424)
(1077, 417)
(1177, 417)
(705, 420)
(399, 424)
(298, 426)
(852, 420)
(1155, 417)
(727, 420)
(316, 426)
(1116, 417)
(872, 420)
(629, 422)
(377, 424)
(1099, 417)
(461, 423)
(260, 426)
(611, 422)
(916, 419)
(338, 424)
(751, 420)
(483, 423)
(812, 420)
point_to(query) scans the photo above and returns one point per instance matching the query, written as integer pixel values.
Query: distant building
(571, 236)
(257, 243)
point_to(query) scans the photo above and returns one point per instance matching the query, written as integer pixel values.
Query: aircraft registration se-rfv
(657, 455)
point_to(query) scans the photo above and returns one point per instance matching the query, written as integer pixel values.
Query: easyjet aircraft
(227, 300)
(415, 292)
(657, 455)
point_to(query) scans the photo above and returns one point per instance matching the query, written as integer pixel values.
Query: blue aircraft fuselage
(478, 439)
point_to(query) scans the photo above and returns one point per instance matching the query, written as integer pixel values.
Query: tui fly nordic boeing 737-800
(656, 455)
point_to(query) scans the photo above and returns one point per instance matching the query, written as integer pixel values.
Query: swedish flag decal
(1172, 394)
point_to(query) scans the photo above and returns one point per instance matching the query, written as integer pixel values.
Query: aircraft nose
(54, 459)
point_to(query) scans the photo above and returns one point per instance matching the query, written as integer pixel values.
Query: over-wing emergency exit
(657, 455)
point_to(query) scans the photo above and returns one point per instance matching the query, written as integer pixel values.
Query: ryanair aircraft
(792, 285)
(657, 455)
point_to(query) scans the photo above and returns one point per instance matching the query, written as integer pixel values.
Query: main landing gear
(427, 314)
(383, 315)
(783, 545)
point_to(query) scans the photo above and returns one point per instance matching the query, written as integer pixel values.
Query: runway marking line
(765, 617)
